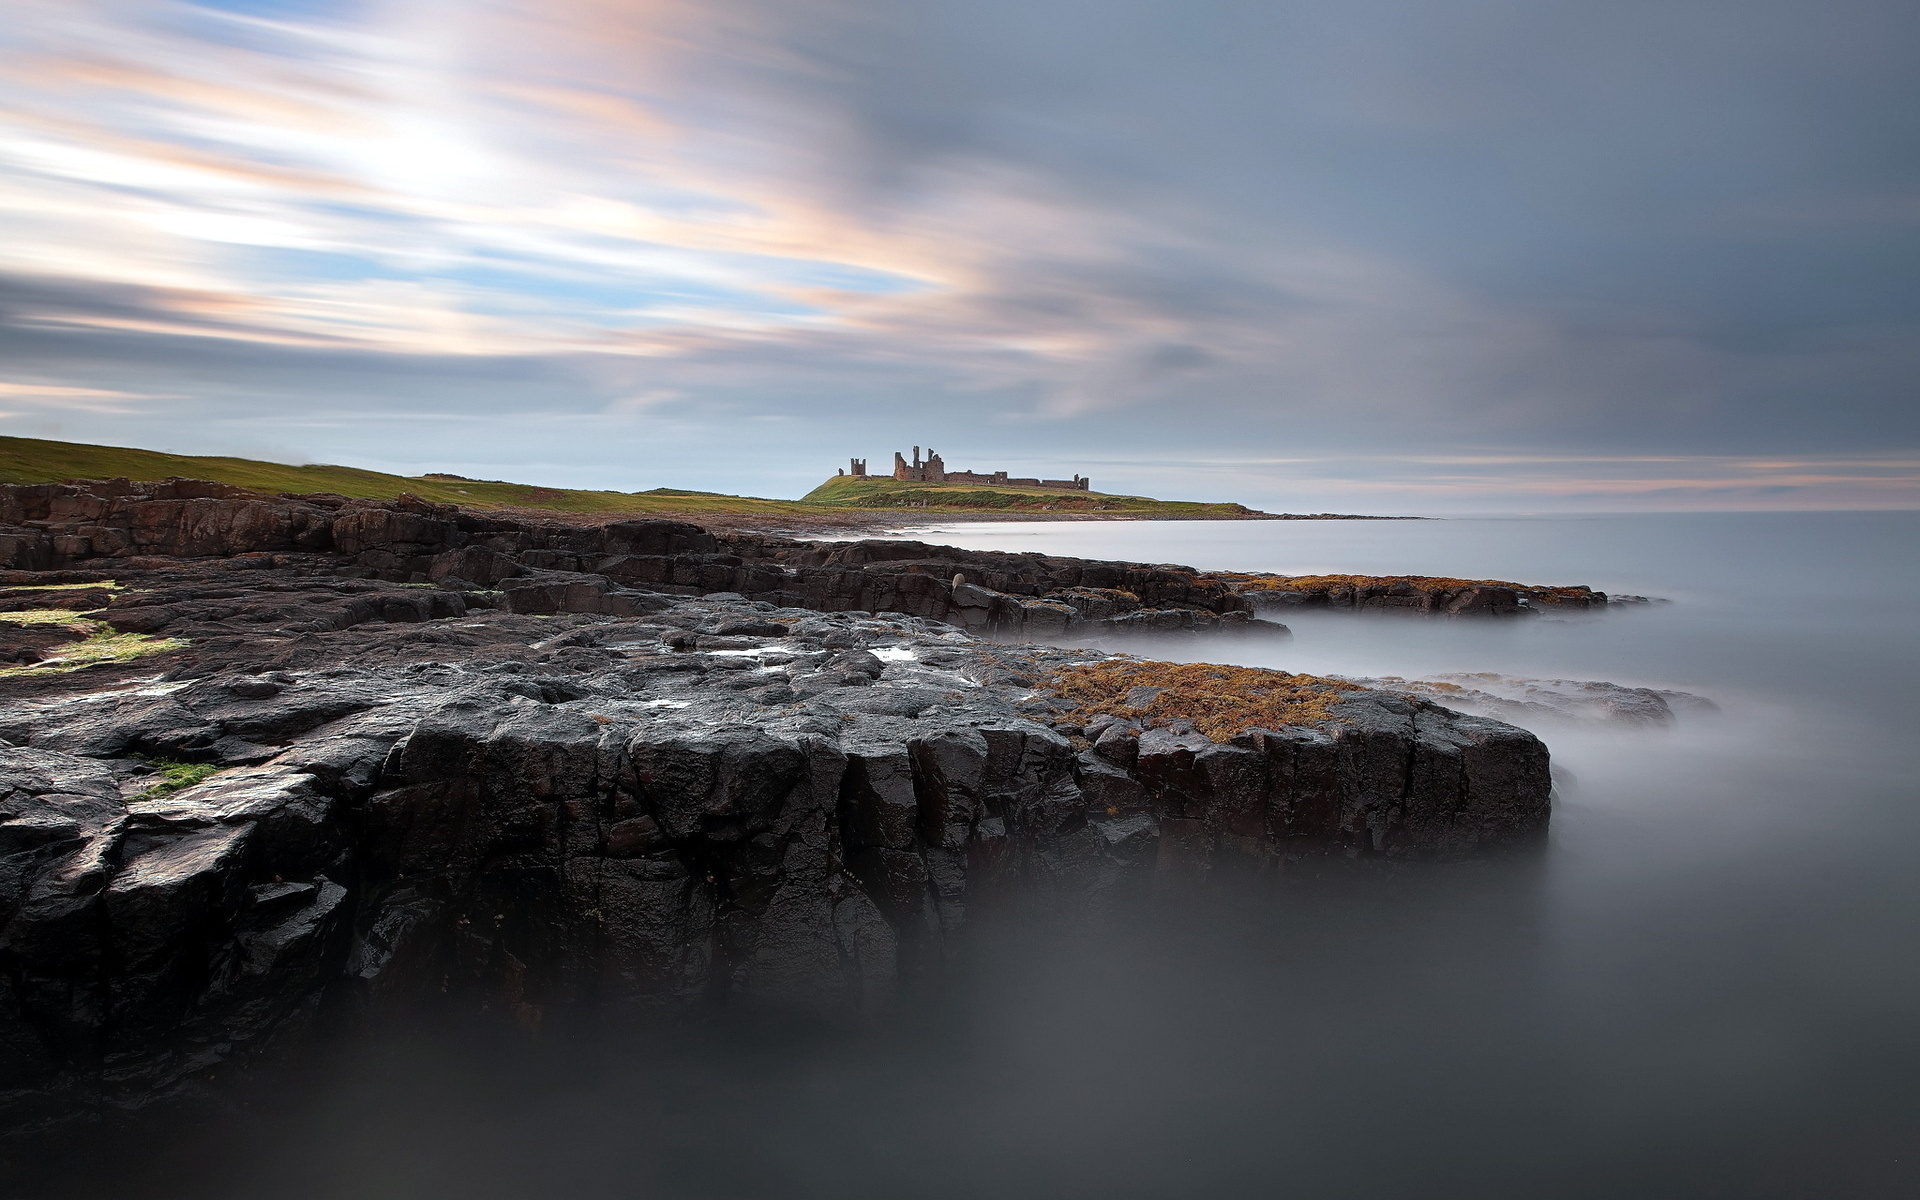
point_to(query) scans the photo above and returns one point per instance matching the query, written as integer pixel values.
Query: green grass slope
(840, 501)
(31, 460)
(849, 491)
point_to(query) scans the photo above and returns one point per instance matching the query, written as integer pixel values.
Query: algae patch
(105, 585)
(96, 642)
(175, 776)
(1219, 701)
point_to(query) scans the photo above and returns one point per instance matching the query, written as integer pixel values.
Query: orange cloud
(98, 400)
(78, 77)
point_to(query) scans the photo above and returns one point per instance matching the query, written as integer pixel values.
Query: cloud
(83, 399)
(1468, 483)
(1366, 225)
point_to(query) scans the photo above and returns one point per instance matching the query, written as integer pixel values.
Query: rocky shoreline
(538, 769)
(545, 564)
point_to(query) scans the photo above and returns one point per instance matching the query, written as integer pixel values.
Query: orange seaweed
(1219, 701)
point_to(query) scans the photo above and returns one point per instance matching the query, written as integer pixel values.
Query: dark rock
(750, 627)
(856, 662)
(1118, 743)
(35, 643)
(594, 794)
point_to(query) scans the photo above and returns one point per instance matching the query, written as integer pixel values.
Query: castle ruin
(933, 470)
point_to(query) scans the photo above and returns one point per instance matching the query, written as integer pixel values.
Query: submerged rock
(1408, 593)
(1580, 701)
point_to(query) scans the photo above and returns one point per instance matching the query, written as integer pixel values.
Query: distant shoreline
(863, 506)
(1251, 516)
(898, 524)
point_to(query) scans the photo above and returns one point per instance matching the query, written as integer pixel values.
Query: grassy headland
(31, 460)
(884, 492)
(841, 502)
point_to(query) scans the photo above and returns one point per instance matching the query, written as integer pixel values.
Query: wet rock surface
(586, 790)
(23, 644)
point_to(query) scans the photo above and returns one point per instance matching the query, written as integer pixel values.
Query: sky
(1322, 255)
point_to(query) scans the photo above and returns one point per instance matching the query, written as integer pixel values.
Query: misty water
(1706, 984)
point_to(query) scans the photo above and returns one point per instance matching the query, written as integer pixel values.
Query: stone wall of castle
(933, 469)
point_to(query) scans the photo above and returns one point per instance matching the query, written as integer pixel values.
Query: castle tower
(857, 468)
(931, 468)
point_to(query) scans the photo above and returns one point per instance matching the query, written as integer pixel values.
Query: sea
(1705, 984)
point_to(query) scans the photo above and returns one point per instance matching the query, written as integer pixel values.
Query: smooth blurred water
(1706, 985)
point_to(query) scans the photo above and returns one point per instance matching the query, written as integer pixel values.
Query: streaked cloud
(18, 397)
(1064, 229)
(1560, 482)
